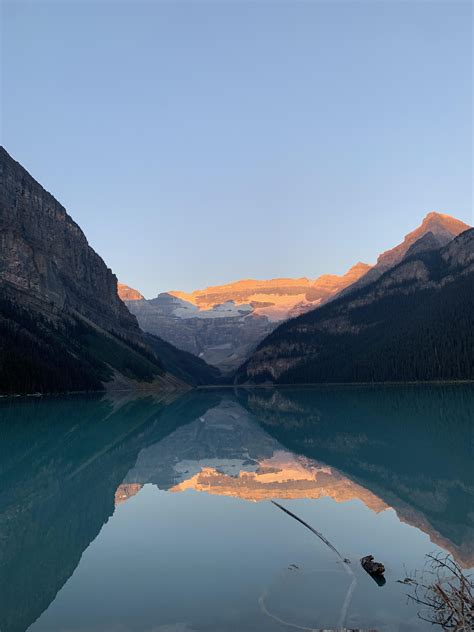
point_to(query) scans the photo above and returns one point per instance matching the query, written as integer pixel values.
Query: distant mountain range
(413, 321)
(62, 324)
(224, 324)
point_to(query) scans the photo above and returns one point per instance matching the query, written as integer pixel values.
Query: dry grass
(446, 594)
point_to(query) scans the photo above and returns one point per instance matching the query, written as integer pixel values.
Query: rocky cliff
(45, 256)
(63, 326)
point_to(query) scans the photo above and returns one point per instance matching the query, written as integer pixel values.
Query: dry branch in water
(346, 563)
(308, 526)
(446, 593)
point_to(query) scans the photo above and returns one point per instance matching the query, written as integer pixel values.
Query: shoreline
(318, 384)
(267, 386)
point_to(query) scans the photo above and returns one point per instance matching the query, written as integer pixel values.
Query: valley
(67, 324)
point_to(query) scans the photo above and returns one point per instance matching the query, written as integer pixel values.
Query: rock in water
(371, 567)
(374, 569)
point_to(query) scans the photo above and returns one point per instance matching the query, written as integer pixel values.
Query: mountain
(127, 293)
(274, 298)
(182, 364)
(224, 336)
(437, 229)
(63, 326)
(223, 324)
(414, 322)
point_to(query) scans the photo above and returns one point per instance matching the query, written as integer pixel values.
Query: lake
(154, 514)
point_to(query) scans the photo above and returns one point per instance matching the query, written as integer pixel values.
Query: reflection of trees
(410, 445)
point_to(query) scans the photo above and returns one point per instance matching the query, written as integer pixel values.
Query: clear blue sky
(202, 142)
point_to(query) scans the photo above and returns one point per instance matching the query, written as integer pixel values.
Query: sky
(197, 143)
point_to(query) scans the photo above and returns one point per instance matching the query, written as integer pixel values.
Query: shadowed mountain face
(414, 323)
(63, 326)
(223, 336)
(46, 258)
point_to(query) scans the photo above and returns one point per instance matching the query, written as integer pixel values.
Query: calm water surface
(155, 515)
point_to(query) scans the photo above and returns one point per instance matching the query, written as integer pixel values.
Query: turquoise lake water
(154, 514)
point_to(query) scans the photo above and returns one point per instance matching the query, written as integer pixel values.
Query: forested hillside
(414, 323)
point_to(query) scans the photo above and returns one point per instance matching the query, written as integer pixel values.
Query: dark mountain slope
(63, 326)
(183, 364)
(46, 254)
(416, 322)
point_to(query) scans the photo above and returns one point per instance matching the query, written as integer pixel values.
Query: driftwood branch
(346, 562)
(317, 533)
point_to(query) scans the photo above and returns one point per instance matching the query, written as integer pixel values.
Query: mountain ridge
(424, 301)
(223, 324)
(443, 227)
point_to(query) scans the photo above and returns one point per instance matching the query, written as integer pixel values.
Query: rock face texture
(127, 293)
(436, 230)
(223, 324)
(224, 336)
(62, 324)
(277, 299)
(45, 255)
(414, 322)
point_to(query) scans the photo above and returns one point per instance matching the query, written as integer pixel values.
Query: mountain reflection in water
(66, 463)
(406, 448)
